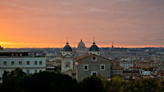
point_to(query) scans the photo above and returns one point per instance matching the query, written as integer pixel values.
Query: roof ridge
(83, 56)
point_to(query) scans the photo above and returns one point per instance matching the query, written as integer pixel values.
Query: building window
(28, 71)
(73, 74)
(102, 67)
(12, 62)
(5, 63)
(35, 71)
(12, 54)
(28, 63)
(35, 62)
(94, 58)
(20, 62)
(40, 62)
(67, 64)
(85, 67)
(94, 73)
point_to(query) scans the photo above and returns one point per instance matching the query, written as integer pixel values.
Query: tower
(112, 45)
(1, 48)
(67, 60)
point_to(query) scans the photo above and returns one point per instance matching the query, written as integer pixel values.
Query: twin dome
(94, 47)
(67, 47)
(81, 45)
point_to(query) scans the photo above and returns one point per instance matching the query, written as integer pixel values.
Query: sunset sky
(48, 23)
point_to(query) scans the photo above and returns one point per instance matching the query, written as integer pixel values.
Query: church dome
(94, 47)
(67, 47)
(81, 45)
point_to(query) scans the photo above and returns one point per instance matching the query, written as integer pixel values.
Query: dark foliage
(49, 82)
(11, 80)
(18, 81)
(0, 87)
(142, 85)
(91, 84)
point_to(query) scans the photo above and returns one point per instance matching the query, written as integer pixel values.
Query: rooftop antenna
(93, 39)
(112, 44)
(67, 39)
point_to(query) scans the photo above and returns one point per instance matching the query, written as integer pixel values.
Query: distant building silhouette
(112, 45)
(1, 48)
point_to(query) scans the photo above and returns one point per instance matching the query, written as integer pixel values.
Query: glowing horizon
(27, 45)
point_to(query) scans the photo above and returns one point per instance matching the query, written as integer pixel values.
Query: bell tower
(67, 60)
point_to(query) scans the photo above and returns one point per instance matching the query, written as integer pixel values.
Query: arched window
(67, 64)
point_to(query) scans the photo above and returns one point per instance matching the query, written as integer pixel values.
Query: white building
(67, 60)
(143, 72)
(9, 60)
(126, 64)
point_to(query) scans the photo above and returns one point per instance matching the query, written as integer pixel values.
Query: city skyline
(48, 23)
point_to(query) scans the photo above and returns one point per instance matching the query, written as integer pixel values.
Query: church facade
(85, 65)
(92, 63)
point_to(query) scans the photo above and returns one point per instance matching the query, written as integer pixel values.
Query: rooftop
(11, 51)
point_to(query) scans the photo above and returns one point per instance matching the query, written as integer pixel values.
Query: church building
(92, 63)
(88, 64)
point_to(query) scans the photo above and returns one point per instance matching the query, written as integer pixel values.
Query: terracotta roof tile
(83, 56)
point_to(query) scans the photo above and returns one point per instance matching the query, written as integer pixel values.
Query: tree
(11, 80)
(49, 82)
(57, 69)
(1, 48)
(142, 85)
(91, 84)
(115, 84)
(0, 87)
(106, 83)
(162, 86)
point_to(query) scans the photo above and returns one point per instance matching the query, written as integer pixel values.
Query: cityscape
(81, 46)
